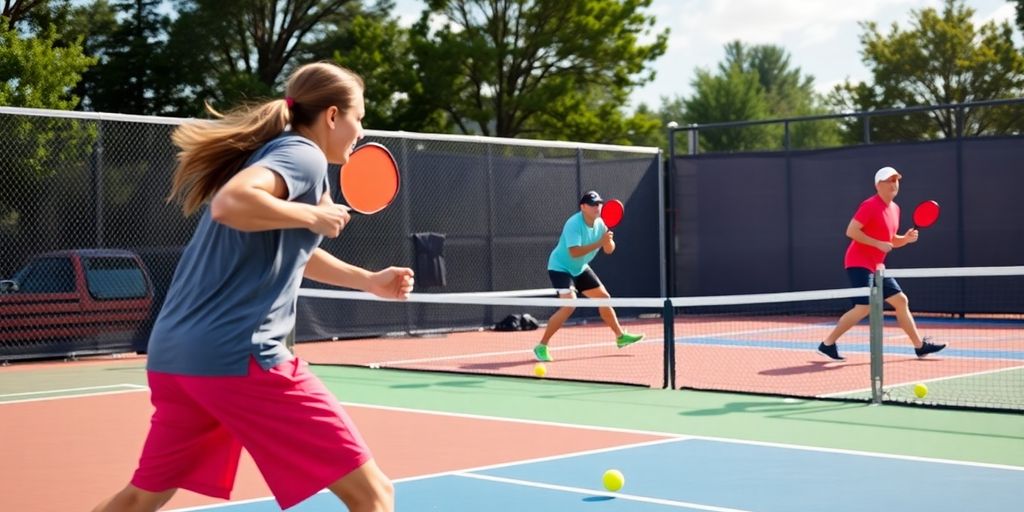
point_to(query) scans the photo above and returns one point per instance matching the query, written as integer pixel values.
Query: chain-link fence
(72, 183)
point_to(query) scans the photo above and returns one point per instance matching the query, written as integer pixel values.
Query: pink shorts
(297, 433)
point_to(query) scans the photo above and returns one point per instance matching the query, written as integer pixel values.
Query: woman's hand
(330, 218)
(391, 283)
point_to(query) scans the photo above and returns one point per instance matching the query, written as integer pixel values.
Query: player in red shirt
(873, 234)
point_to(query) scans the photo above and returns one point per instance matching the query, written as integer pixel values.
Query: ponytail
(213, 151)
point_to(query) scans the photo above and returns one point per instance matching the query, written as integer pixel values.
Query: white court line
(783, 343)
(68, 390)
(670, 437)
(564, 348)
(809, 327)
(590, 492)
(688, 436)
(66, 397)
(937, 379)
(132, 388)
(456, 472)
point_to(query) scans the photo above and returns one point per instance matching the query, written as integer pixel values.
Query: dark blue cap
(592, 198)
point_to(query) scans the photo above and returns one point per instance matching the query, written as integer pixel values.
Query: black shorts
(587, 280)
(861, 277)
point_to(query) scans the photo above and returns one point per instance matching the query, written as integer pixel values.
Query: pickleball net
(752, 343)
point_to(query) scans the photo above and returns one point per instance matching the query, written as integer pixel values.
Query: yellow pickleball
(920, 390)
(613, 480)
(540, 370)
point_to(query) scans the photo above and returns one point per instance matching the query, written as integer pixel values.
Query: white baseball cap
(885, 173)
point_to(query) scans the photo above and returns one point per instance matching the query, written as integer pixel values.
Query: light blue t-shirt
(575, 233)
(233, 294)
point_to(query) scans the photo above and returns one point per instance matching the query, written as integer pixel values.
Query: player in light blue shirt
(583, 235)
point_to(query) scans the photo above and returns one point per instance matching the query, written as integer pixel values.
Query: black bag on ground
(524, 322)
(509, 323)
(528, 323)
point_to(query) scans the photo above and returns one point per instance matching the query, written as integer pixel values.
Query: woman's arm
(325, 268)
(255, 200)
(392, 282)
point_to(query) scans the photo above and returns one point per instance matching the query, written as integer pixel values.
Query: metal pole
(489, 311)
(579, 172)
(959, 120)
(790, 264)
(663, 257)
(668, 212)
(875, 344)
(668, 315)
(405, 166)
(98, 187)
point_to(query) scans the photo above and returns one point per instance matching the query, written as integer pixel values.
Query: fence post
(662, 212)
(875, 344)
(668, 213)
(489, 315)
(668, 316)
(579, 172)
(98, 194)
(961, 256)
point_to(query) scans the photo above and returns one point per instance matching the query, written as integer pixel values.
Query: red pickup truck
(74, 302)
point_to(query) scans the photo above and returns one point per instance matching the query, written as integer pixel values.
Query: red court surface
(803, 373)
(69, 453)
(582, 352)
(774, 355)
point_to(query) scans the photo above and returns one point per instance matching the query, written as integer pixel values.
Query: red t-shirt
(880, 221)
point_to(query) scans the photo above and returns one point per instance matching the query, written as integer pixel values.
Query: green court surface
(994, 384)
(986, 437)
(941, 433)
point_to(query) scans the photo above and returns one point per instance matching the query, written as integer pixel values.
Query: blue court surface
(706, 474)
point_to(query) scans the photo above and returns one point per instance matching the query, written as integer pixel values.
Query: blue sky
(822, 36)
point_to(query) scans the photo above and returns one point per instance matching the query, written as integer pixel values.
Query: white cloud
(771, 21)
(1006, 12)
(821, 36)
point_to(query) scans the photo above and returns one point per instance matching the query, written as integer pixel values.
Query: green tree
(372, 43)
(788, 91)
(596, 115)
(228, 51)
(17, 11)
(133, 72)
(1020, 16)
(755, 83)
(646, 128)
(37, 70)
(942, 58)
(730, 95)
(550, 68)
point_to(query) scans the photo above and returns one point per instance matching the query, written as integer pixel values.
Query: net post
(668, 316)
(876, 322)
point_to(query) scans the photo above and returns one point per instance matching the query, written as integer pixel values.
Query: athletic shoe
(830, 351)
(628, 339)
(541, 353)
(927, 347)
